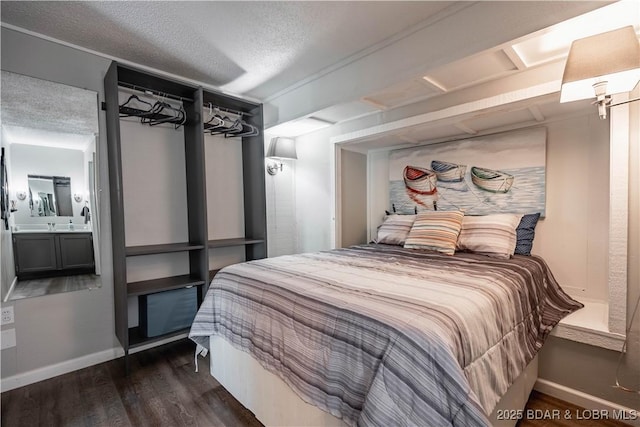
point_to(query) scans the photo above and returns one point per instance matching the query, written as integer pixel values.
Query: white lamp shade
(282, 148)
(612, 57)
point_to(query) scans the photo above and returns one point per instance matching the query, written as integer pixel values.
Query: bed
(379, 335)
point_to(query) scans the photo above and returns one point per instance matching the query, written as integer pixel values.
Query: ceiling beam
(513, 100)
(430, 83)
(486, 25)
(536, 113)
(514, 57)
(466, 129)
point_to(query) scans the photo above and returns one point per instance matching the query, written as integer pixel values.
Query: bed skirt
(275, 404)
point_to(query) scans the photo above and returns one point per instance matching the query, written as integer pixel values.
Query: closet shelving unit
(193, 99)
(254, 240)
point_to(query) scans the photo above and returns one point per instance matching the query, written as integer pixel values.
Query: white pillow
(494, 235)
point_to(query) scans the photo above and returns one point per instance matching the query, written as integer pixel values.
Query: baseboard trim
(11, 288)
(587, 401)
(47, 372)
(61, 368)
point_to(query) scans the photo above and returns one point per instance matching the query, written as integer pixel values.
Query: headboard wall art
(483, 175)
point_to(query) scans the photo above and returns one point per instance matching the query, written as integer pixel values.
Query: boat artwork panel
(501, 173)
(490, 180)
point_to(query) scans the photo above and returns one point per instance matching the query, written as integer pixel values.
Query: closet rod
(153, 92)
(207, 107)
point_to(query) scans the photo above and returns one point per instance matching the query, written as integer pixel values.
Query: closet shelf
(145, 287)
(161, 249)
(137, 339)
(241, 241)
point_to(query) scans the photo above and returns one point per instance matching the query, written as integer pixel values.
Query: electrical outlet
(7, 315)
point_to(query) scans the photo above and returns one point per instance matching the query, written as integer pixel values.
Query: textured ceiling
(39, 104)
(251, 48)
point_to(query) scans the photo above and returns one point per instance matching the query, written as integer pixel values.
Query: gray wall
(58, 328)
(353, 184)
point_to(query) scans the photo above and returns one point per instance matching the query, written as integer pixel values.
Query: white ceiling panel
(377, 143)
(555, 109)
(472, 70)
(345, 111)
(496, 119)
(402, 93)
(553, 43)
(430, 132)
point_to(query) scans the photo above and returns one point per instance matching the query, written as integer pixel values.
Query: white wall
(282, 230)
(47, 161)
(313, 192)
(281, 210)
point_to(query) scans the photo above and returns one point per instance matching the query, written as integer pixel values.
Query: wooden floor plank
(163, 389)
(559, 413)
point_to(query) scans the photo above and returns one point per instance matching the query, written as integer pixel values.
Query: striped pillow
(493, 235)
(394, 229)
(435, 230)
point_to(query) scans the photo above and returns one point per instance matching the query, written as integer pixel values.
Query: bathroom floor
(54, 285)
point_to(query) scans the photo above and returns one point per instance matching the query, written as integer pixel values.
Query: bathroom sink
(44, 228)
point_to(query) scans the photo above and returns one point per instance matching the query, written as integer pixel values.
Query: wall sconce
(602, 65)
(21, 195)
(280, 148)
(77, 197)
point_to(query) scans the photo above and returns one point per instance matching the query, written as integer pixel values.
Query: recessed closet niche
(187, 197)
(234, 167)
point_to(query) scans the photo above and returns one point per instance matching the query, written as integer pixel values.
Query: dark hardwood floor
(162, 390)
(559, 413)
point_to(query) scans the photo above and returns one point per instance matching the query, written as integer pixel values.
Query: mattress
(380, 335)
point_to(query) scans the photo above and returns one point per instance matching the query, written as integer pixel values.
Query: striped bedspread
(380, 335)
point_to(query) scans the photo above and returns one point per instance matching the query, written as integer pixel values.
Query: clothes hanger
(214, 121)
(253, 131)
(136, 98)
(225, 127)
(163, 112)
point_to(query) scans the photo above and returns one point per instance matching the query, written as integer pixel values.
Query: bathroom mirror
(49, 133)
(50, 195)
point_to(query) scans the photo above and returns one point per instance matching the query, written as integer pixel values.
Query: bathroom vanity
(52, 253)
